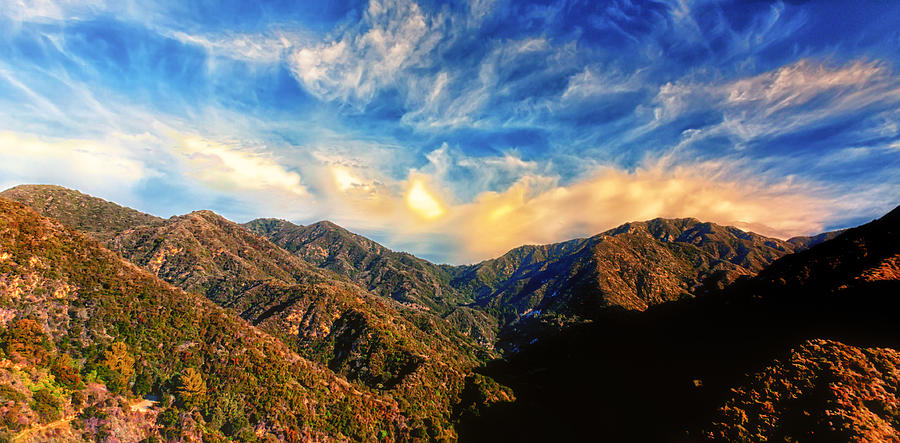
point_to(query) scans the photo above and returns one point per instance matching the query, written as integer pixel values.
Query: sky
(459, 130)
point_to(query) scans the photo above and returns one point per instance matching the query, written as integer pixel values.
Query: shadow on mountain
(661, 374)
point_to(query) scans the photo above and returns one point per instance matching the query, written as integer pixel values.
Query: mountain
(808, 242)
(204, 253)
(73, 309)
(744, 363)
(867, 253)
(372, 340)
(398, 275)
(95, 216)
(634, 266)
(664, 330)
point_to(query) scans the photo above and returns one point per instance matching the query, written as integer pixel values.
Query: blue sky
(459, 130)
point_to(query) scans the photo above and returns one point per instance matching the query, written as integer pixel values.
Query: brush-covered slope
(823, 391)
(398, 275)
(202, 252)
(95, 216)
(634, 266)
(867, 253)
(62, 294)
(375, 341)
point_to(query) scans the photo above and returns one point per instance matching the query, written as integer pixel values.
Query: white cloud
(394, 35)
(46, 10)
(103, 167)
(595, 81)
(786, 99)
(526, 205)
(258, 48)
(229, 167)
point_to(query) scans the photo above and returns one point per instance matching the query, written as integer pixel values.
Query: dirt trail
(141, 406)
(35, 430)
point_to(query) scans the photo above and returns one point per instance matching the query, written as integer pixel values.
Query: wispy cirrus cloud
(421, 120)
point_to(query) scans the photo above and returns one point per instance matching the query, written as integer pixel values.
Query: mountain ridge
(91, 299)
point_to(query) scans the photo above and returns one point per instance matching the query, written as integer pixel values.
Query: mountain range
(276, 330)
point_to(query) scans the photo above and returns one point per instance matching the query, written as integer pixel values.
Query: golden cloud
(536, 210)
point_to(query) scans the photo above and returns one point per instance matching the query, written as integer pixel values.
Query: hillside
(537, 289)
(398, 275)
(375, 341)
(401, 276)
(136, 334)
(677, 323)
(92, 215)
(683, 371)
(824, 390)
(634, 266)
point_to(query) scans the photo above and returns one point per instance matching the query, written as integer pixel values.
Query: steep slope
(823, 391)
(682, 371)
(136, 334)
(376, 341)
(802, 243)
(864, 254)
(634, 266)
(95, 216)
(398, 275)
(202, 252)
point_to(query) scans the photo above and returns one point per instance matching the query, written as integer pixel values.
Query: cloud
(48, 10)
(394, 35)
(496, 222)
(784, 99)
(229, 167)
(256, 48)
(528, 207)
(107, 167)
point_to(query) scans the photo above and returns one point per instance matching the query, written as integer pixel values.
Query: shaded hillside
(807, 242)
(666, 374)
(870, 252)
(136, 334)
(95, 216)
(635, 266)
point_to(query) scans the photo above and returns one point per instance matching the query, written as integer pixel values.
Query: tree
(191, 388)
(65, 373)
(26, 341)
(46, 405)
(118, 360)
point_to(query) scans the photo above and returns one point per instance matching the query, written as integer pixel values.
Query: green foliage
(191, 390)
(46, 405)
(64, 372)
(8, 393)
(26, 341)
(169, 333)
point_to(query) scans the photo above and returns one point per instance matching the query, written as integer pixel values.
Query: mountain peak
(84, 212)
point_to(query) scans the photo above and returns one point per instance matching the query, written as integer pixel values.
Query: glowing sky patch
(422, 202)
